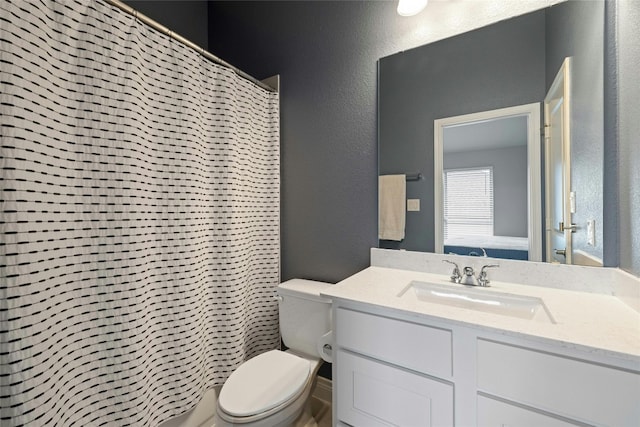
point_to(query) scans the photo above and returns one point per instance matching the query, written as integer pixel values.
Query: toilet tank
(305, 316)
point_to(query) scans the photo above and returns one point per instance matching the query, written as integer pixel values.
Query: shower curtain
(139, 218)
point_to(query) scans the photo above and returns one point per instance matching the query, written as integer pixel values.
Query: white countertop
(590, 322)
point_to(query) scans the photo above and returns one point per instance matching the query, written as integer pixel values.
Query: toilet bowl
(274, 388)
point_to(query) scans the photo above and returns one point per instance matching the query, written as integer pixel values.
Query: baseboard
(323, 390)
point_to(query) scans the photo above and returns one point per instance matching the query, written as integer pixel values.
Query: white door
(557, 160)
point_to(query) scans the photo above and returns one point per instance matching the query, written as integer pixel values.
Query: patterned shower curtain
(139, 218)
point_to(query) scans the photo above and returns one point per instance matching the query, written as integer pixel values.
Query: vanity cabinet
(397, 369)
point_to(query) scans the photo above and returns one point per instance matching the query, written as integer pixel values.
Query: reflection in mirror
(558, 215)
(509, 63)
(485, 182)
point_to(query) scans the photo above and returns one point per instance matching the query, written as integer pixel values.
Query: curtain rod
(153, 24)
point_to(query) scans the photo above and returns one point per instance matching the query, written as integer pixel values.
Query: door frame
(534, 168)
(561, 85)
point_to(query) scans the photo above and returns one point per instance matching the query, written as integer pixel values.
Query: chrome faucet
(468, 275)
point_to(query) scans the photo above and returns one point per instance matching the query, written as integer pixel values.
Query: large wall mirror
(505, 65)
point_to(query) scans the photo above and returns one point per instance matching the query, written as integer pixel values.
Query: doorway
(529, 114)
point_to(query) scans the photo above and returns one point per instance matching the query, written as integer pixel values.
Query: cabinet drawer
(493, 413)
(417, 347)
(568, 387)
(373, 394)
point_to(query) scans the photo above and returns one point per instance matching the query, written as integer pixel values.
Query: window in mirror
(468, 202)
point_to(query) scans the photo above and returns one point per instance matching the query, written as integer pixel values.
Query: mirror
(506, 64)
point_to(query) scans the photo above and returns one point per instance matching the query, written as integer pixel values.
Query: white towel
(392, 191)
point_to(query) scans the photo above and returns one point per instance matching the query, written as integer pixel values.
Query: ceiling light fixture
(411, 7)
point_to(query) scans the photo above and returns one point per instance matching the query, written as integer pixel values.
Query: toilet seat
(263, 383)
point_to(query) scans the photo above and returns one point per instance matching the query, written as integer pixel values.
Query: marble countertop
(591, 322)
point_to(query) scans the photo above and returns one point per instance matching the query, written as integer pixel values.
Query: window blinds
(468, 202)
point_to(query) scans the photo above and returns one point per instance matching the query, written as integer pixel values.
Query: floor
(321, 404)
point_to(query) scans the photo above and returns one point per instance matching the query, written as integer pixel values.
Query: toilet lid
(262, 383)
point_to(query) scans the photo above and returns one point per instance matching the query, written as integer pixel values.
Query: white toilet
(274, 388)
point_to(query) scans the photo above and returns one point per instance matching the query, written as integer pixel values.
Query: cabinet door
(493, 413)
(371, 394)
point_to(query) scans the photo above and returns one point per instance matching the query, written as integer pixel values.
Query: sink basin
(479, 299)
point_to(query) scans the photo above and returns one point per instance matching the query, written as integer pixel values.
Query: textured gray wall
(187, 18)
(576, 29)
(493, 67)
(629, 133)
(509, 185)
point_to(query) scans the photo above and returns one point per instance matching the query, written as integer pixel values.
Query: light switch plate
(572, 201)
(413, 205)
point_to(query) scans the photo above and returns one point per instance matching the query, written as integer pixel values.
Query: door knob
(562, 252)
(571, 227)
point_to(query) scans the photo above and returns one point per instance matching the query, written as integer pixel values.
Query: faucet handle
(482, 278)
(482, 270)
(456, 277)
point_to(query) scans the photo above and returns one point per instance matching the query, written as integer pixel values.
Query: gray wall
(509, 185)
(493, 67)
(576, 29)
(629, 133)
(187, 18)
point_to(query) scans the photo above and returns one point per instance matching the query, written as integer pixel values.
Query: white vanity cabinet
(393, 368)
